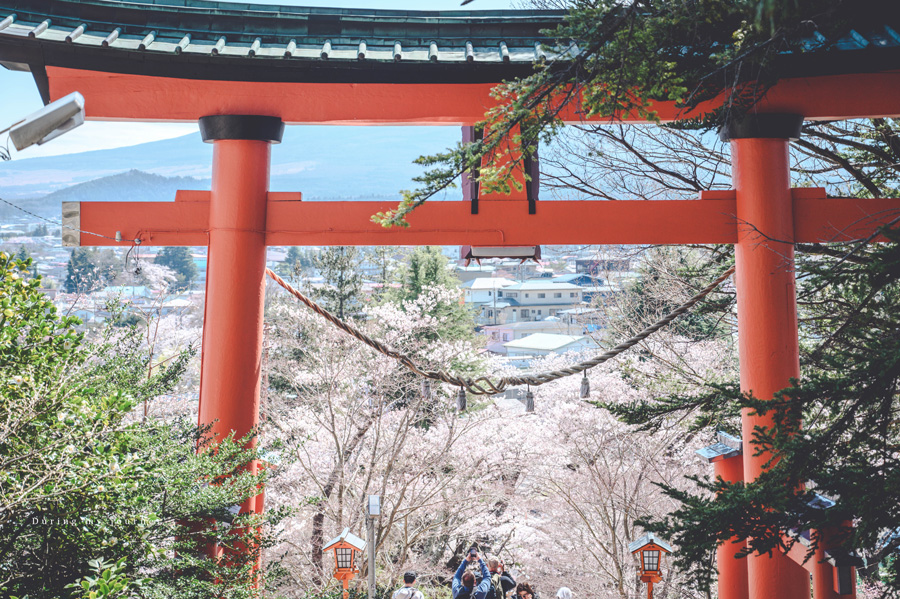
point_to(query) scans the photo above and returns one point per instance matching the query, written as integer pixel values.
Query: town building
(543, 344)
(481, 295)
(532, 300)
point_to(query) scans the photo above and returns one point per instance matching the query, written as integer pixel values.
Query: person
(501, 581)
(464, 582)
(564, 593)
(408, 590)
(524, 591)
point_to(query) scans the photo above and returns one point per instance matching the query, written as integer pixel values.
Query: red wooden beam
(111, 96)
(499, 222)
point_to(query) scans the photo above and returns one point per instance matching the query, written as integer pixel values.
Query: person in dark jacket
(500, 575)
(464, 586)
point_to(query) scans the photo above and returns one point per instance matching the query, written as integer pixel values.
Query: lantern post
(373, 512)
(345, 546)
(650, 551)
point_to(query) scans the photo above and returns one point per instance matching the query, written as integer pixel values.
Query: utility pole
(373, 512)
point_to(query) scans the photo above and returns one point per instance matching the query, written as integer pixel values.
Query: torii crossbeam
(365, 67)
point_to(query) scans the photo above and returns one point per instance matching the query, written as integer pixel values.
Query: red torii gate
(239, 218)
(243, 114)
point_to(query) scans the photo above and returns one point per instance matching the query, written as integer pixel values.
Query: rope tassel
(529, 401)
(585, 386)
(461, 399)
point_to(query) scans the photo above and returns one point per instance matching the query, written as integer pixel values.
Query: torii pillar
(768, 343)
(235, 275)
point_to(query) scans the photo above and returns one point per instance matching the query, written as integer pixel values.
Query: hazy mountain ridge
(131, 186)
(319, 161)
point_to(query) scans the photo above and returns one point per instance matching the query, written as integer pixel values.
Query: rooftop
(541, 284)
(487, 283)
(519, 326)
(231, 41)
(544, 341)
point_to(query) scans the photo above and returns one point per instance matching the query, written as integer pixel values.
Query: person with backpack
(464, 582)
(501, 581)
(408, 590)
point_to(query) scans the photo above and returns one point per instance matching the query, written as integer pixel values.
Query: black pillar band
(241, 126)
(772, 126)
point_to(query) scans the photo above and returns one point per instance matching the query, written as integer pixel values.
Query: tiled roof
(195, 39)
(482, 46)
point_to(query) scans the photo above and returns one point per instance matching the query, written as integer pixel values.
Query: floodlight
(49, 122)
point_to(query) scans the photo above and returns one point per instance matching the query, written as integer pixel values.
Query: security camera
(49, 122)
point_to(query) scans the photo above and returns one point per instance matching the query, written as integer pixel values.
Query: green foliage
(427, 268)
(81, 480)
(181, 262)
(651, 295)
(82, 275)
(340, 267)
(631, 54)
(108, 582)
(295, 262)
(835, 431)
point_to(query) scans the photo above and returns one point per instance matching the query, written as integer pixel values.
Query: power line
(53, 222)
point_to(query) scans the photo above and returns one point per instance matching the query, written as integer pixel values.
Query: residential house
(532, 300)
(543, 344)
(593, 286)
(583, 320)
(603, 265)
(512, 331)
(473, 271)
(481, 296)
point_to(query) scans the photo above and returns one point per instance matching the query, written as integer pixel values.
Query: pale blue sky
(19, 96)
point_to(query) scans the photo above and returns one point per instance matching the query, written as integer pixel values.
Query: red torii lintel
(117, 96)
(291, 221)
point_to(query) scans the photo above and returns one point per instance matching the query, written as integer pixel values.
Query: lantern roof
(345, 539)
(726, 446)
(649, 539)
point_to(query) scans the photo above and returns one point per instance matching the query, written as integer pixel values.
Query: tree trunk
(318, 521)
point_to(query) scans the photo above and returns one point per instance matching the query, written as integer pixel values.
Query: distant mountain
(134, 185)
(323, 162)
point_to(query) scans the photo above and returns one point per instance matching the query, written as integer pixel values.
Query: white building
(499, 334)
(532, 300)
(542, 344)
(482, 296)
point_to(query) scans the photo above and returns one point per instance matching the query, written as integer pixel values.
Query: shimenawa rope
(483, 385)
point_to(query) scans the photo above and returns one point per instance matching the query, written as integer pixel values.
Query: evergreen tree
(181, 262)
(340, 267)
(295, 262)
(81, 272)
(427, 267)
(83, 481)
(382, 256)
